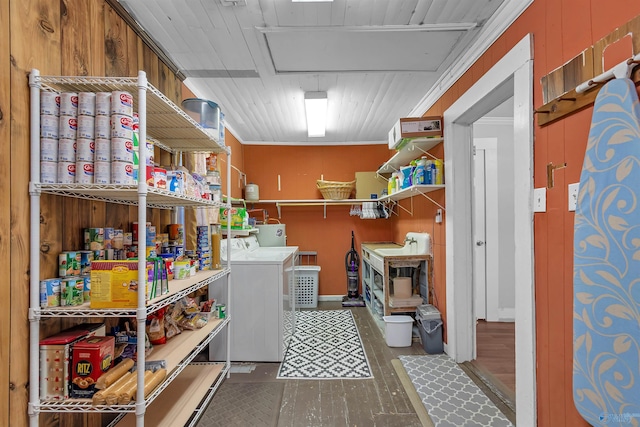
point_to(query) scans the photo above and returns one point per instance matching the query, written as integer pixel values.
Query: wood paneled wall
(67, 37)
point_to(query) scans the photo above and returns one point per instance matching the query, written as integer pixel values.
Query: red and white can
(67, 150)
(136, 122)
(85, 150)
(86, 127)
(49, 126)
(48, 150)
(122, 150)
(66, 172)
(68, 127)
(103, 150)
(122, 173)
(121, 126)
(69, 104)
(103, 127)
(49, 172)
(102, 172)
(103, 103)
(121, 103)
(86, 104)
(49, 103)
(84, 172)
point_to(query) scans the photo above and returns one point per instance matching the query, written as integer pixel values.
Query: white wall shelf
(414, 149)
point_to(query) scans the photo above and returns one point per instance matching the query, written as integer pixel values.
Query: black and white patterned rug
(326, 345)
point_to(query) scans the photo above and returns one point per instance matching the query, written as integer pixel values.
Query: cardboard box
(55, 359)
(91, 357)
(114, 284)
(368, 183)
(414, 127)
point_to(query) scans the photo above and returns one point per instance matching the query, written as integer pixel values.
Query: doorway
(512, 76)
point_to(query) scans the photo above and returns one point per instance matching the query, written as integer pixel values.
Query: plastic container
(427, 312)
(306, 277)
(431, 336)
(398, 330)
(206, 113)
(252, 192)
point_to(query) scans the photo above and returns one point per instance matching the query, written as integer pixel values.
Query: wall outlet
(573, 196)
(540, 199)
(438, 216)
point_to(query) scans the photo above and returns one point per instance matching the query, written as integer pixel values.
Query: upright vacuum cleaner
(352, 263)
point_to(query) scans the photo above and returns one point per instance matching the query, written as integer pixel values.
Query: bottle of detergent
(391, 185)
(418, 174)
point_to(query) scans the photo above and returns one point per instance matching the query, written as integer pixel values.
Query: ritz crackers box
(91, 358)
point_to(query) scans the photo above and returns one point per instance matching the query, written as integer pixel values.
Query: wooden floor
(496, 358)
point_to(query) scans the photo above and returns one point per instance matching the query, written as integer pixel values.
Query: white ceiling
(376, 59)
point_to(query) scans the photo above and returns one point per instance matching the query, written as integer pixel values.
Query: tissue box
(414, 127)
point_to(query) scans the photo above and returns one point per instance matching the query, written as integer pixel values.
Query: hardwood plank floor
(381, 401)
(496, 358)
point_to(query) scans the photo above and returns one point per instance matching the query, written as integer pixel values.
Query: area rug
(326, 345)
(451, 398)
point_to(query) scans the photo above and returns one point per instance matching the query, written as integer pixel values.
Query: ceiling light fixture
(315, 104)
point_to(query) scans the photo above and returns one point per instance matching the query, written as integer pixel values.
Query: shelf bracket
(324, 206)
(410, 212)
(415, 147)
(433, 201)
(34, 190)
(279, 208)
(34, 314)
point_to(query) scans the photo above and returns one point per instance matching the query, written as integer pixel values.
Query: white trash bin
(398, 330)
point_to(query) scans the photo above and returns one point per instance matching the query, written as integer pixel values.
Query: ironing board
(606, 318)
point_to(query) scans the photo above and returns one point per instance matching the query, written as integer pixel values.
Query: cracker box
(114, 284)
(414, 127)
(55, 359)
(91, 357)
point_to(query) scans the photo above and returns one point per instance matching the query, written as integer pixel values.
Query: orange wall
(299, 168)
(561, 30)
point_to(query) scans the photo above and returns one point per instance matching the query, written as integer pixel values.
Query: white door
(479, 235)
(486, 278)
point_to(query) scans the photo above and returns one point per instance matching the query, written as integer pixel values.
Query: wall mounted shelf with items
(173, 130)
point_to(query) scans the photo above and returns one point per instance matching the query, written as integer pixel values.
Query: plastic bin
(306, 277)
(431, 336)
(398, 330)
(206, 113)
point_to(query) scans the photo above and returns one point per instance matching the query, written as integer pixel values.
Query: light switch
(540, 199)
(573, 196)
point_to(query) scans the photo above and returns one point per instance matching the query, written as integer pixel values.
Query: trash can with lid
(430, 326)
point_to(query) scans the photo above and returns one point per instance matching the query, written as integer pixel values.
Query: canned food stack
(203, 247)
(102, 157)
(121, 111)
(85, 138)
(68, 131)
(49, 135)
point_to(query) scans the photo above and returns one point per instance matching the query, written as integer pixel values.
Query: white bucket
(103, 127)
(122, 173)
(398, 330)
(102, 172)
(49, 103)
(49, 172)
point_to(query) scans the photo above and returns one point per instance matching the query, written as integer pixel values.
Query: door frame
(511, 76)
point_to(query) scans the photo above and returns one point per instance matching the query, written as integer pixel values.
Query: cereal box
(91, 357)
(114, 284)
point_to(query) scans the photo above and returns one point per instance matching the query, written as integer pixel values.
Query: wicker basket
(336, 190)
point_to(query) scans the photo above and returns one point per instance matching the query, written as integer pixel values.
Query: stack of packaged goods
(203, 249)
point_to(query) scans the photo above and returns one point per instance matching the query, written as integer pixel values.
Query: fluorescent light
(315, 104)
